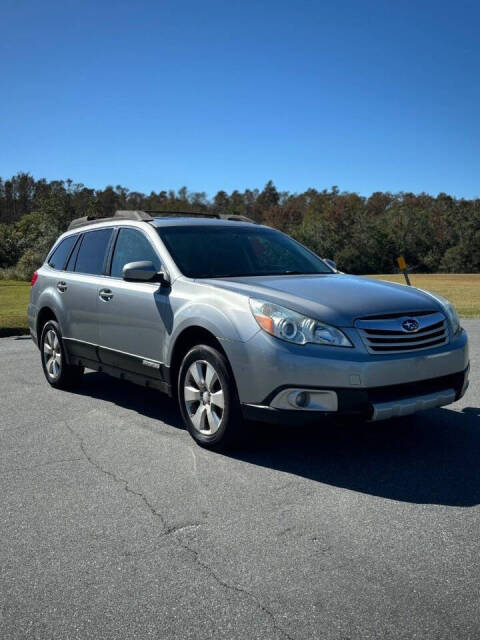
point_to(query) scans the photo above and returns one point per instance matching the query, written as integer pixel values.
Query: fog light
(302, 399)
(306, 400)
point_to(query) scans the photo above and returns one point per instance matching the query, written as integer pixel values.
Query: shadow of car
(431, 457)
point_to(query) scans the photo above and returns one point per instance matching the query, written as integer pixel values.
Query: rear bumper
(32, 313)
(370, 404)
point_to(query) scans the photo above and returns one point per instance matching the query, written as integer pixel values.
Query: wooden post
(402, 265)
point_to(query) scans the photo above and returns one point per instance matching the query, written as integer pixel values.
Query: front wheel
(208, 398)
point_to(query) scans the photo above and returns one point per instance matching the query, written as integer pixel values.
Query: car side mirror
(144, 271)
(331, 263)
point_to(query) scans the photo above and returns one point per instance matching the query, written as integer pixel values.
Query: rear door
(57, 280)
(133, 316)
(84, 272)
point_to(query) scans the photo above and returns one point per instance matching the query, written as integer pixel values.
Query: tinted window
(132, 246)
(73, 257)
(59, 256)
(91, 255)
(215, 252)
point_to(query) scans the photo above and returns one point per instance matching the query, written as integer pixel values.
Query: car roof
(159, 223)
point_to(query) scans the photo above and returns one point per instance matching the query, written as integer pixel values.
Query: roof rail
(203, 214)
(238, 217)
(119, 215)
(146, 217)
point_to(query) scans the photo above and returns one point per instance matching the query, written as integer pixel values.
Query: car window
(59, 256)
(92, 252)
(132, 246)
(70, 266)
(271, 256)
(216, 252)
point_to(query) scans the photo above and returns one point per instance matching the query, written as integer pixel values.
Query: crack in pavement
(232, 587)
(118, 479)
(172, 530)
(39, 466)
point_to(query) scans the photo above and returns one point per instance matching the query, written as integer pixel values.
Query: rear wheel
(58, 372)
(208, 398)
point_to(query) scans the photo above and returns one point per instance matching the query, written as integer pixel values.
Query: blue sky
(154, 95)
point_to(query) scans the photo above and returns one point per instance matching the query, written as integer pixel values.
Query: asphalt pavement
(114, 524)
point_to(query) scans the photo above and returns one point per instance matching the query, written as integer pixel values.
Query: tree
(108, 202)
(266, 200)
(221, 202)
(364, 235)
(9, 251)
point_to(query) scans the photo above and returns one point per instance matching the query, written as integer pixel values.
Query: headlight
(449, 311)
(453, 317)
(294, 327)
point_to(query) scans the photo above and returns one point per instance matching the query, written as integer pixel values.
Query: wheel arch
(186, 339)
(45, 314)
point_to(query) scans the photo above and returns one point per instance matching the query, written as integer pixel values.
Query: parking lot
(114, 524)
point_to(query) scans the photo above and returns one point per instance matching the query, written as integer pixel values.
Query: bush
(10, 273)
(9, 253)
(28, 263)
(464, 257)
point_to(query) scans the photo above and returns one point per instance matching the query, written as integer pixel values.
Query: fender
(227, 317)
(52, 299)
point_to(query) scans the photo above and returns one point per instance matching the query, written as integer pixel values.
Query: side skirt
(119, 365)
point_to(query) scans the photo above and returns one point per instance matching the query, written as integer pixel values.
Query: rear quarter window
(60, 255)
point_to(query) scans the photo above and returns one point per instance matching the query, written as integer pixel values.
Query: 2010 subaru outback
(239, 321)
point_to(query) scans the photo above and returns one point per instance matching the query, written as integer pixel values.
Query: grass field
(14, 296)
(462, 289)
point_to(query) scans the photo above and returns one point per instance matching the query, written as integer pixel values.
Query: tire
(205, 383)
(58, 372)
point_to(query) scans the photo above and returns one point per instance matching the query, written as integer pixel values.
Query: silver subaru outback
(239, 322)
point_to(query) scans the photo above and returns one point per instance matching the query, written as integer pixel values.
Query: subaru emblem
(410, 325)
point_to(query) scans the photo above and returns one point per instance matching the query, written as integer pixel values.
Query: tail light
(34, 279)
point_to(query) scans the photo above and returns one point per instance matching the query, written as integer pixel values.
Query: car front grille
(388, 334)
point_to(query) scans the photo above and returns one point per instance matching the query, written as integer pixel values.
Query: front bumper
(264, 364)
(370, 404)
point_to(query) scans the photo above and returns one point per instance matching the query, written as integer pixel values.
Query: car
(240, 323)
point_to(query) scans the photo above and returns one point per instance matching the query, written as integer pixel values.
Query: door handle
(105, 294)
(62, 286)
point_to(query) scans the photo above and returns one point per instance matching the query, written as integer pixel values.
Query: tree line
(362, 234)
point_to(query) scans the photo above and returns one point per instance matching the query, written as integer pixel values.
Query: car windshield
(221, 252)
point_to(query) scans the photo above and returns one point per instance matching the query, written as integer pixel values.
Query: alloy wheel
(204, 397)
(52, 354)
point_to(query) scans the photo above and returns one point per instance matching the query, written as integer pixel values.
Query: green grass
(462, 289)
(14, 295)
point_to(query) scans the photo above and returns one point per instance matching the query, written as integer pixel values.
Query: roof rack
(118, 215)
(238, 217)
(203, 214)
(145, 216)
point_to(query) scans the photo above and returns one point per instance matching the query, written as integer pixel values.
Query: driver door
(132, 316)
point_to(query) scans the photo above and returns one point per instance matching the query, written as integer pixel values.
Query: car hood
(333, 298)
